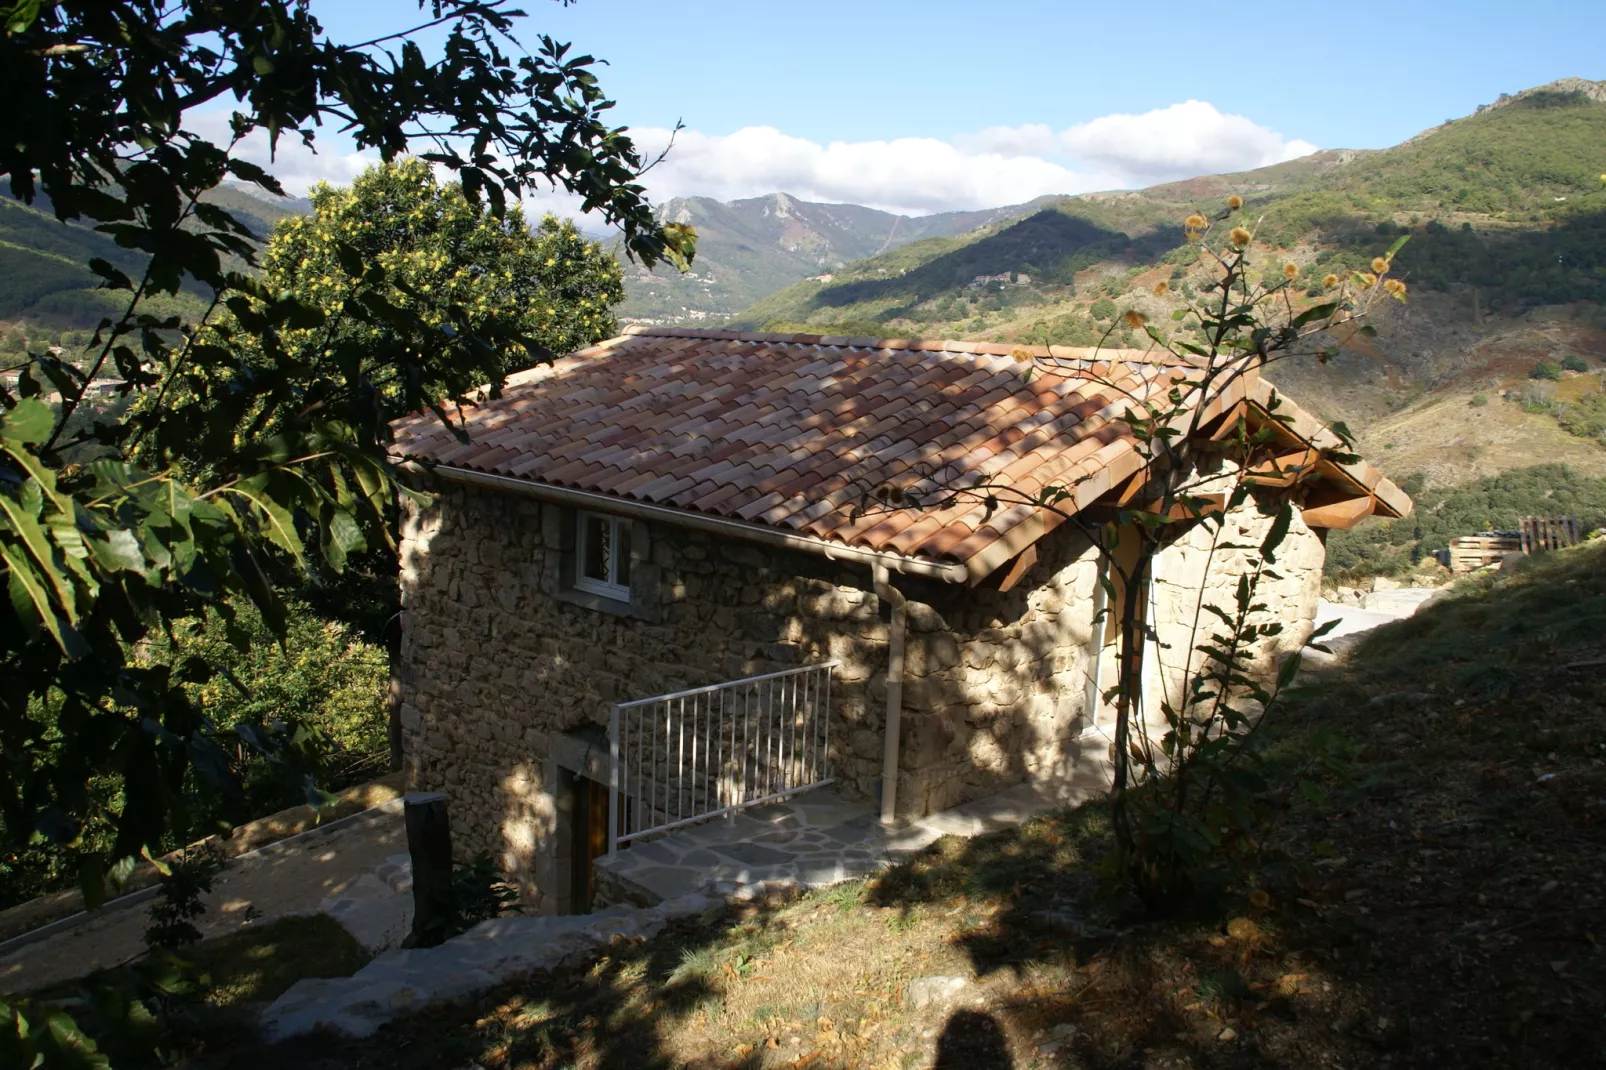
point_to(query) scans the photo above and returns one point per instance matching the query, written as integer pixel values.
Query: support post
(613, 780)
(429, 843)
(895, 641)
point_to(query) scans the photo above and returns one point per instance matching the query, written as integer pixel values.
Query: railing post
(613, 779)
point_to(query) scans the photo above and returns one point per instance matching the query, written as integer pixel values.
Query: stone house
(674, 509)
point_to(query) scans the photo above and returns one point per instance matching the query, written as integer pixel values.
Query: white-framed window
(602, 556)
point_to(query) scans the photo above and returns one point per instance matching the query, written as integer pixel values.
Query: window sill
(587, 600)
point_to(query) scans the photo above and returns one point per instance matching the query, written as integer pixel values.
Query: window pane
(622, 556)
(597, 549)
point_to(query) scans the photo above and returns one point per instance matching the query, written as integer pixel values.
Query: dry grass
(1452, 441)
(1443, 911)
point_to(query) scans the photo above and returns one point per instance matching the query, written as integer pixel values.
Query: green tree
(1103, 309)
(110, 534)
(439, 251)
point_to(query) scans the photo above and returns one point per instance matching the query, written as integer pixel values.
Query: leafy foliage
(246, 454)
(1494, 503)
(443, 257)
(324, 685)
(189, 876)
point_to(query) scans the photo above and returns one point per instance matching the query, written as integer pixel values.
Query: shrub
(1574, 363)
(325, 685)
(1103, 309)
(1479, 400)
(189, 877)
(1545, 369)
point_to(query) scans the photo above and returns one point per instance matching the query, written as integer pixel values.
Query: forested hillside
(1505, 211)
(48, 295)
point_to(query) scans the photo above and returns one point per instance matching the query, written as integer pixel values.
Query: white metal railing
(691, 755)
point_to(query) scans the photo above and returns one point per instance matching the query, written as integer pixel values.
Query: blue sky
(844, 99)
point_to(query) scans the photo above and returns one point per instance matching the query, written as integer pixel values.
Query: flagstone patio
(812, 840)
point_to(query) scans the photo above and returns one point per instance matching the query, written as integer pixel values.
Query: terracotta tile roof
(789, 430)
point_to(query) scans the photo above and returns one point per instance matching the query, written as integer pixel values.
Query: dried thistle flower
(1195, 222)
(1234, 203)
(1395, 287)
(1290, 272)
(1368, 280)
(1135, 319)
(1240, 237)
(1380, 265)
(1162, 288)
(1329, 281)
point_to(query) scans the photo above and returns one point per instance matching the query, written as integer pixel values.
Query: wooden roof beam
(1285, 469)
(1343, 514)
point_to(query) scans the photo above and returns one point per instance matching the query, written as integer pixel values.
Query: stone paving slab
(492, 953)
(377, 908)
(817, 839)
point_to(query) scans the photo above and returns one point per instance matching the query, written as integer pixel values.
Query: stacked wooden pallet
(1471, 552)
(1548, 533)
(1534, 535)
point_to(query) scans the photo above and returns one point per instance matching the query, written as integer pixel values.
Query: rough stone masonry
(500, 654)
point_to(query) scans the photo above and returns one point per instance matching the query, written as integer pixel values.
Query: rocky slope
(748, 249)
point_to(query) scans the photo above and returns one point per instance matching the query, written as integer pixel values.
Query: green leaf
(33, 538)
(1399, 243)
(274, 518)
(1314, 313)
(21, 15)
(29, 597)
(29, 422)
(1278, 532)
(118, 551)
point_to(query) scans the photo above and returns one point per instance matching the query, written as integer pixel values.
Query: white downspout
(889, 748)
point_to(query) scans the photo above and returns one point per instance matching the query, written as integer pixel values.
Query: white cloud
(912, 175)
(1191, 138)
(297, 167)
(996, 166)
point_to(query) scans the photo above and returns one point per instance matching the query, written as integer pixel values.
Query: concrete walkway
(307, 874)
(1375, 609)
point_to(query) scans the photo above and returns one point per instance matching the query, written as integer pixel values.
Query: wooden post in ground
(429, 842)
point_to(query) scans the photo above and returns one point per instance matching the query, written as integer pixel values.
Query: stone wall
(1202, 568)
(499, 656)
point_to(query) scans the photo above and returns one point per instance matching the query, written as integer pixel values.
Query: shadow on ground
(1443, 910)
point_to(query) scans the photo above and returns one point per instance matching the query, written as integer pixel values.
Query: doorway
(589, 842)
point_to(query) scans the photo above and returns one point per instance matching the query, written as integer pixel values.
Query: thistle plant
(1191, 784)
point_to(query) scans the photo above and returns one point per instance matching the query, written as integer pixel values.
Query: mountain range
(748, 249)
(1505, 211)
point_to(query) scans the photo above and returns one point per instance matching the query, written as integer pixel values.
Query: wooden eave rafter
(1286, 469)
(1343, 514)
(1018, 568)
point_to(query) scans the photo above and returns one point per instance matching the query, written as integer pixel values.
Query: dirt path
(293, 877)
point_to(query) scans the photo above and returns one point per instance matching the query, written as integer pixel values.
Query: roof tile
(795, 430)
